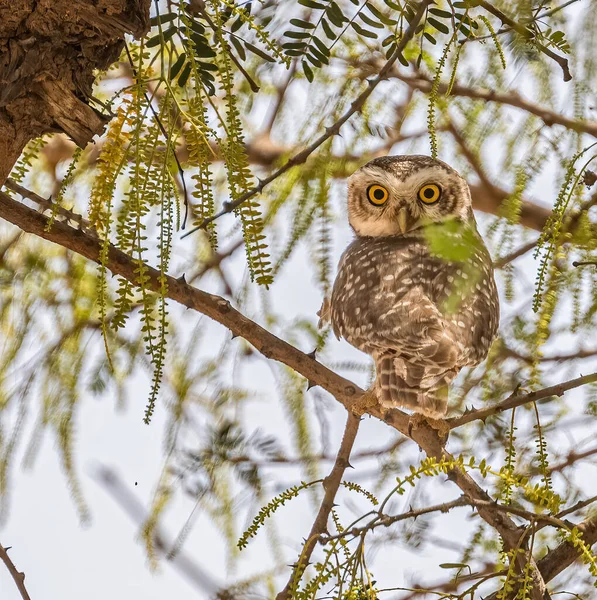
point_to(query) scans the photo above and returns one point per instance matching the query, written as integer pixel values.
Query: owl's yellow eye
(377, 194)
(430, 193)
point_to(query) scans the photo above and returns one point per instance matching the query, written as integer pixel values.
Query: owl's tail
(423, 389)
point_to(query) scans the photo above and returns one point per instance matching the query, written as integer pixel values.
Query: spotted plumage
(415, 289)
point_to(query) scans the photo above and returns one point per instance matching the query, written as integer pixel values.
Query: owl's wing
(410, 323)
(324, 313)
(467, 297)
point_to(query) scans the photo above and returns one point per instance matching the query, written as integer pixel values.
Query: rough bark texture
(49, 53)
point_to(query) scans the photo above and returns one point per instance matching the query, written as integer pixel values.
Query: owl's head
(392, 195)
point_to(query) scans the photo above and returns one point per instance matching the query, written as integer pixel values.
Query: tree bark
(50, 51)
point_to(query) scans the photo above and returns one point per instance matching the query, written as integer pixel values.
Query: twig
(331, 484)
(513, 99)
(503, 30)
(564, 555)
(199, 577)
(519, 399)
(386, 520)
(500, 263)
(18, 576)
(527, 34)
(356, 106)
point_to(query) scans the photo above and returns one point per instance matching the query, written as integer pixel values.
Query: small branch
(519, 400)
(200, 578)
(386, 520)
(578, 506)
(500, 263)
(526, 33)
(18, 576)
(356, 106)
(331, 484)
(513, 99)
(561, 557)
(571, 459)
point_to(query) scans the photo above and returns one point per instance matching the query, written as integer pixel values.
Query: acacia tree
(240, 121)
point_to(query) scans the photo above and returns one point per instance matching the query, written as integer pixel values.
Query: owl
(415, 289)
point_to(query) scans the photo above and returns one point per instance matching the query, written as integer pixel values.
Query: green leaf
(206, 76)
(165, 18)
(259, 52)
(383, 18)
(236, 25)
(464, 30)
(238, 47)
(321, 46)
(184, 77)
(166, 35)
(335, 15)
(328, 30)
(311, 4)
(197, 27)
(429, 37)
(294, 45)
(363, 32)
(438, 25)
(201, 47)
(205, 66)
(438, 12)
(302, 24)
(370, 21)
(401, 58)
(453, 566)
(320, 56)
(177, 66)
(314, 61)
(297, 35)
(308, 71)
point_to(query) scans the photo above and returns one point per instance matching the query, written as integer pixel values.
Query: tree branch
(518, 400)
(526, 33)
(549, 117)
(387, 520)
(18, 576)
(331, 484)
(199, 577)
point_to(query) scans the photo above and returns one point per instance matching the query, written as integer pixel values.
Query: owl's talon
(364, 402)
(440, 425)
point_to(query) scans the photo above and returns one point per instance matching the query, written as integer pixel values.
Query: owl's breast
(394, 293)
(374, 275)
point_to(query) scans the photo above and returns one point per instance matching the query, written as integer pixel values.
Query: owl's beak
(403, 218)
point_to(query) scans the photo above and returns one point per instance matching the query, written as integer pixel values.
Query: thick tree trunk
(49, 53)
